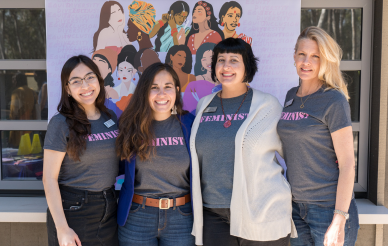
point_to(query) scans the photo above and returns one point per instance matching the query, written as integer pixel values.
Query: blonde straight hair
(330, 57)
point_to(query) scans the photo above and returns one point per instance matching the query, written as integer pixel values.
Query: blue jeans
(312, 221)
(150, 226)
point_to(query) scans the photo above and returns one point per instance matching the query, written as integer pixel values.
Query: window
(23, 97)
(349, 23)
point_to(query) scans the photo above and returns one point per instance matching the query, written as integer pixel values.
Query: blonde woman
(316, 130)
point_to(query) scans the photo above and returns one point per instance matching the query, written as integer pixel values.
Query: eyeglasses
(77, 82)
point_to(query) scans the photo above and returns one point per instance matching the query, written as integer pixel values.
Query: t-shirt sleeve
(56, 135)
(337, 114)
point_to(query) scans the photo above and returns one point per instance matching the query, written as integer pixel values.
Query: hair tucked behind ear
(330, 58)
(79, 125)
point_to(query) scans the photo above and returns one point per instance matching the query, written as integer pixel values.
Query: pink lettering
(216, 117)
(157, 142)
(181, 140)
(108, 135)
(90, 138)
(175, 141)
(169, 141)
(240, 116)
(208, 118)
(113, 133)
(97, 137)
(164, 141)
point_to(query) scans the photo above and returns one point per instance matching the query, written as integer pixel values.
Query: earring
(173, 110)
(238, 24)
(170, 63)
(294, 64)
(222, 23)
(202, 69)
(68, 95)
(119, 78)
(139, 37)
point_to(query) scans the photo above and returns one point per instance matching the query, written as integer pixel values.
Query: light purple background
(273, 25)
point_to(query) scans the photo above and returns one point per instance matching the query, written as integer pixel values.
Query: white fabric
(122, 89)
(261, 204)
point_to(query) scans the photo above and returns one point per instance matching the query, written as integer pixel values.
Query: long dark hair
(189, 58)
(135, 124)
(79, 125)
(198, 57)
(127, 54)
(213, 22)
(177, 7)
(104, 19)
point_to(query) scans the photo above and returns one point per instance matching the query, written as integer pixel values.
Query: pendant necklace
(302, 105)
(228, 123)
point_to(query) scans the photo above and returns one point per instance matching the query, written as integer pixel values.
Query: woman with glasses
(80, 165)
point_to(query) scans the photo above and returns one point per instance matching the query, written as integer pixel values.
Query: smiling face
(86, 93)
(180, 17)
(179, 59)
(307, 60)
(232, 18)
(162, 95)
(102, 66)
(206, 60)
(117, 17)
(199, 15)
(230, 69)
(126, 71)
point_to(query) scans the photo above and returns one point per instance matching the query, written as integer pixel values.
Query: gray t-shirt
(215, 146)
(98, 165)
(307, 145)
(167, 172)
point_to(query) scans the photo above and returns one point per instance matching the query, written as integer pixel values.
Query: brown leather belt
(163, 203)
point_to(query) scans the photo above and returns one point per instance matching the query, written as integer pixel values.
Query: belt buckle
(164, 199)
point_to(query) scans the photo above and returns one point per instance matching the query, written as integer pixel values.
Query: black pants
(216, 231)
(92, 215)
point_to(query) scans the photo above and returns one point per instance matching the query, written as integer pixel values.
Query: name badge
(289, 103)
(210, 109)
(109, 123)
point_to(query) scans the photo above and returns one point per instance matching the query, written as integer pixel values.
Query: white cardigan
(261, 203)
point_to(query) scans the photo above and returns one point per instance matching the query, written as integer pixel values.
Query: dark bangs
(236, 46)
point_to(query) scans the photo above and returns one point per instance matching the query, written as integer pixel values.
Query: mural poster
(124, 37)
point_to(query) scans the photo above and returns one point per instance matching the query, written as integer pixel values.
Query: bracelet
(173, 31)
(161, 23)
(337, 211)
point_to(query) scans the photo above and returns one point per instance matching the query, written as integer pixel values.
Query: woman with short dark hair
(155, 199)
(80, 165)
(240, 196)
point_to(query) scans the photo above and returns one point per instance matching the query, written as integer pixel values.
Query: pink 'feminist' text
(103, 135)
(167, 141)
(294, 116)
(221, 117)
